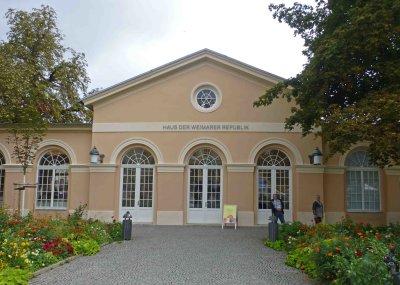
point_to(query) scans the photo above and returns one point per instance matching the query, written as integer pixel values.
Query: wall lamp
(316, 157)
(95, 156)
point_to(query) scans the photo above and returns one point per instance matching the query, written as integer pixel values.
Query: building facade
(180, 141)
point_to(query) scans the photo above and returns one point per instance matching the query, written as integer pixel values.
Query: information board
(230, 215)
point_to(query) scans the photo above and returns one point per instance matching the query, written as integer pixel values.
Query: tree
(41, 81)
(350, 87)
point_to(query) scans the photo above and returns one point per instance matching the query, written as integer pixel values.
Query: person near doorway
(318, 210)
(277, 208)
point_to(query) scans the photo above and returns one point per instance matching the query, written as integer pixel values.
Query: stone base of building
(169, 217)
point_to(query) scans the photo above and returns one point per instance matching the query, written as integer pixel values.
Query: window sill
(365, 211)
(51, 209)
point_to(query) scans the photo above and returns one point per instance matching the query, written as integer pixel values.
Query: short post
(127, 226)
(273, 229)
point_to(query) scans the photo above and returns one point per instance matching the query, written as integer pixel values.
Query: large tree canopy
(350, 87)
(40, 80)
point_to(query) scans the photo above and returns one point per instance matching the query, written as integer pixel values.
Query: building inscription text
(205, 127)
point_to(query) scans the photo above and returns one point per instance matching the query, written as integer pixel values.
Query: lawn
(29, 244)
(341, 253)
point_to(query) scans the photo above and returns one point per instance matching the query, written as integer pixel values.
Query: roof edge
(88, 101)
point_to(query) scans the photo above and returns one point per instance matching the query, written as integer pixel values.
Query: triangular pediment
(204, 55)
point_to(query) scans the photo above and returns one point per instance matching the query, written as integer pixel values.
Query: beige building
(182, 140)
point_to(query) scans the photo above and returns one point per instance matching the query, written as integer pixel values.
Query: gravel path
(180, 255)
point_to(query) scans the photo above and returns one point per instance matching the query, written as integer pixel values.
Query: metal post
(273, 229)
(127, 226)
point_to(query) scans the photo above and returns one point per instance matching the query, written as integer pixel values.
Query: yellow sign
(230, 214)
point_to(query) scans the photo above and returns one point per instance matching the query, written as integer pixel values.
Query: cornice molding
(335, 169)
(102, 168)
(312, 169)
(241, 167)
(80, 168)
(16, 168)
(393, 171)
(170, 168)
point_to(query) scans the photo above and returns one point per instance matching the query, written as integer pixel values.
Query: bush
(11, 276)
(115, 231)
(86, 247)
(96, 230)
(29, 243)
(344, 253)
(43, 259)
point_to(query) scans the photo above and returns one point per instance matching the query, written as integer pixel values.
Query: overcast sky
(124, 38)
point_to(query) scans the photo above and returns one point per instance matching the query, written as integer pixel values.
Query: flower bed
(29, 244)
(343, 253)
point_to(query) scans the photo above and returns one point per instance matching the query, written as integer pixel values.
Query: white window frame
(53, 169)
(362, 170)
(274, 163)
(137, 159)
(206, 86)
(206, 159)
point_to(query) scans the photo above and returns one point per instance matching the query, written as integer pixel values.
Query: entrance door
(205, 188)
(273, 177)
(137, 185)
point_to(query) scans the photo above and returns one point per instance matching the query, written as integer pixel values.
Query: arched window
(205, 156)
(205, 187)
(362, 183)
(2, 174)
(52, 189)
(273, 177)
(137, 184)
(138, 156)
(273, 157)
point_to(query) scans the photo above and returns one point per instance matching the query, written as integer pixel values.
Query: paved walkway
(181, 255)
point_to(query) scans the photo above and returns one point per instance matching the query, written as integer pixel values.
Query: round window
(206, 99)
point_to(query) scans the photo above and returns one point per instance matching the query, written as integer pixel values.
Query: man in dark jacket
(277, 208)
(318, 210)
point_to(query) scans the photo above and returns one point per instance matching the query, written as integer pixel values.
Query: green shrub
(96, 230)
(114, 230)
(278, 245)
(301, 258)
(345, 253)
(12, 276)
(43, 259)
(85, 247)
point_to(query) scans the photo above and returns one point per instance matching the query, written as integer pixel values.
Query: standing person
(277, 208)
(318, 210)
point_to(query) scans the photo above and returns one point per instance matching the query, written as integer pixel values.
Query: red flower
(378, 236)
(358, 253)
(56, 252)
(69, 248)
